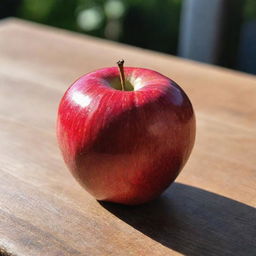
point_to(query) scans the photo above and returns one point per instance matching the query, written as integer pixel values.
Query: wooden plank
(210, 210)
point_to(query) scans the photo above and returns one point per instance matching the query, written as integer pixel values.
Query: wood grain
(210, 210)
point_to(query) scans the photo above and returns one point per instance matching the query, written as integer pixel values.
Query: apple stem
(120, 64)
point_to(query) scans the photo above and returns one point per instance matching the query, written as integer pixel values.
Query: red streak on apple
(125, 146)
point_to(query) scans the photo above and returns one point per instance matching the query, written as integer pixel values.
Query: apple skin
(125, 146)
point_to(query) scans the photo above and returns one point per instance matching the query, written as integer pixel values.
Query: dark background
(151, 24)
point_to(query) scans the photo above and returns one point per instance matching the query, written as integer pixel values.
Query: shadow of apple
(194, 222)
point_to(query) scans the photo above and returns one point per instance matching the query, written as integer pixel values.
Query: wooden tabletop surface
(209, 210)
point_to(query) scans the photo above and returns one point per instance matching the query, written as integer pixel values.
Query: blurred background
(220, 32)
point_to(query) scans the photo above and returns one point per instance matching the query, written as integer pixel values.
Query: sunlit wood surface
(210, 210)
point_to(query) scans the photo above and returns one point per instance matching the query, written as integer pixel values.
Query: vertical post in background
(200, 31)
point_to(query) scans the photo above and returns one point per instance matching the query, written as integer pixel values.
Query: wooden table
(43, 211)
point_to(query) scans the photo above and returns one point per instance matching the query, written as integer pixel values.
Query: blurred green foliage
(153, 24)
(150, 24)
(250, 10)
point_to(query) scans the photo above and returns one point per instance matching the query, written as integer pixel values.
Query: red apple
(125, 145)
